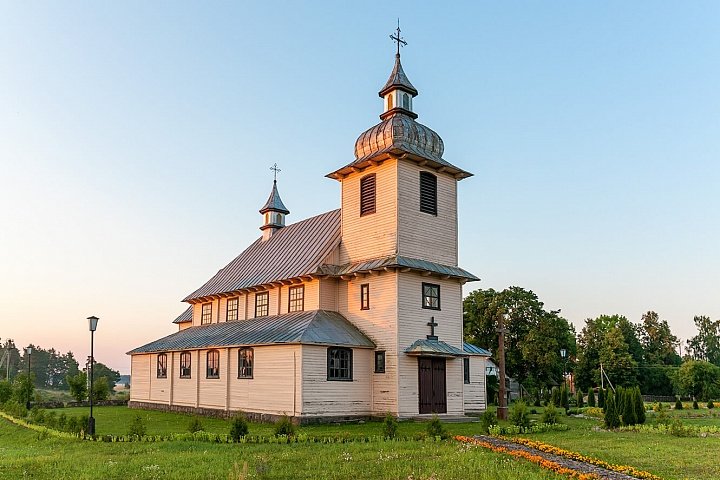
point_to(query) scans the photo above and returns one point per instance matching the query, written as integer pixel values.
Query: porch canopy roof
(433, 348)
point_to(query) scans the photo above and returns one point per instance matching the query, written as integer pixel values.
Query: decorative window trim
(246, 368)
(466, 371)
(380, 361)
(262, 309)
(185, 365)
(428, 305)
(336, 372)
(162, 365)
(296, 304)
(368, 194)
(235, 311)
(428, 193)
(206, 313)
(212, 371)
(365, 296)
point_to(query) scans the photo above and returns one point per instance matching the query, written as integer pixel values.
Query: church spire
(274, 210)
(398, 92)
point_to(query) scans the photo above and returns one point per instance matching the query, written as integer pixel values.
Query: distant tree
(617, 362)
(101, 389)
(112, 376)
(659, 351)
(23, 388)
(78, 386)
(698, 379)
(11, 366)
(706, 344)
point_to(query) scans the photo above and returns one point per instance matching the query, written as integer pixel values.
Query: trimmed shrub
(390, 426)
(612, 419)
(678, 404)
(591, 398)
(564, 400)
(284, 426)
(628, 406)
(601, 398)
(519, 414)
(435, 428)
(639, 406)
(579, 401)
(137, 427)
(555, 396)
(661, 418)
(195, 425)
(695, 405)
(550, 415)
(239, 427)
(711, 405)
(487, 419)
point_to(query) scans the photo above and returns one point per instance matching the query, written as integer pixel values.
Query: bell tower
(274, 210)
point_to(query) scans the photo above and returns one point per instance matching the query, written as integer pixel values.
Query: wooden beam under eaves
(445, 277)
(426, 274)
(405, 270)
(346, 277)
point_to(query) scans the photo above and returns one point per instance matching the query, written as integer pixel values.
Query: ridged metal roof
(472, 349)
(434, 348)
(274, 202)
(398, 261)
(184, 317)
(291, 252)
(398, 79)
(315, 327)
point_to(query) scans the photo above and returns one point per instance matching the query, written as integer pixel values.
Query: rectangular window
(339, 364)
(365, 296)
(428, 193)
(245, 363)
(262, 304)
(206, 316)
(379, 362)
(296, 297)
(232, 309)
(162, 365)
(431, 296)
(466, 370)
(185, 359)
(367, 195)
(213, 364)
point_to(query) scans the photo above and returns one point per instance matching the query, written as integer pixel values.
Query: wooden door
(431, 385)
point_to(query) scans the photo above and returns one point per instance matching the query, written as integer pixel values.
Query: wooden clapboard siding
(323, 397)
(373, 235)
(412, 326)
(197, 312)
(380, 325)
(185, 389)
(212, 390)
(276, 379)
(328, 294)
(422, 235)
(312, 295)
(140, 372)
(474, 392)
(184, 325)
(159, 387)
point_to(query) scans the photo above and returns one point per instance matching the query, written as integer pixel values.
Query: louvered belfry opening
(428, 193)
(367, 195)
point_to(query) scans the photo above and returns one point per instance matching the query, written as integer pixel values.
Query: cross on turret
(275, 170)
(397, 38)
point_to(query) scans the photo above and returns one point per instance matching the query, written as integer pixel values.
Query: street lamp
(92, 323)
(28, 353)
(563, 354)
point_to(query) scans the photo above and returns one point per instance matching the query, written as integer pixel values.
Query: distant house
(351, 313)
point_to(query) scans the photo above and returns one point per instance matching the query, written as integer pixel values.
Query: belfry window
(406, 101)
(428, 193)
(367, 195)
(431, 296)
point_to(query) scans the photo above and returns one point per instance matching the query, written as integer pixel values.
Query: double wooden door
(431, 383)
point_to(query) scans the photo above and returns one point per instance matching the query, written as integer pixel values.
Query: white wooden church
(352, 313)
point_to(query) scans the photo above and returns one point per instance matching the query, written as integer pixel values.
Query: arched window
(246, 359)
(428, 193)
(390, 101)
(162, 365)
(213, 364)
(185, 359)
(367, 195)
(406, 101)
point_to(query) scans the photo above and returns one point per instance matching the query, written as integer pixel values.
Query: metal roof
(296, 250)
(184, 317)
(473, 350)
(398, 79)
(434, 348)
(274, 202)
(398, 261)
(314, 327)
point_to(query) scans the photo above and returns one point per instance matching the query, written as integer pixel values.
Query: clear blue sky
(136, 137)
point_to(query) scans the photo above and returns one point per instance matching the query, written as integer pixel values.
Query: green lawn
(24, 454)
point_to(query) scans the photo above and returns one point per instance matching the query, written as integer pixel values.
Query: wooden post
(502, 411)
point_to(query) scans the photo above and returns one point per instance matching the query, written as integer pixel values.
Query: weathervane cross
(275, 170)
(398, 39)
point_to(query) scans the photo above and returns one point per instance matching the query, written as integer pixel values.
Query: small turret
(273, 212)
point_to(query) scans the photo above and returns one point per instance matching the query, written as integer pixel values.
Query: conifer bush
(564, 401)
(195, 425)
(555, 396)
(710, 404)
(519, 414)
(601, 398)
(435, 428)
(550, 415)
(695, 405)
(591, 398)
(678, 404)
(284, 426)
(137, 427)
(579, 401)
(239, 427)
(639, 407)
(612, 419)
(488, 419)
(390, 426)
(628, 407)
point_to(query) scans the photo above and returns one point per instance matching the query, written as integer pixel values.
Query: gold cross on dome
(275, 170)
(397, 38)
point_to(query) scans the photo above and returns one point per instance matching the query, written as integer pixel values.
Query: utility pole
(502, 411)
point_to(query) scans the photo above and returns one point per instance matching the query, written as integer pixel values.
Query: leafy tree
(101, 389)
(102, 370)
(698, 379)
(23, 388)
(6, 391)
(78, 386)
(659, 350)
(617, 362)
(706, 344)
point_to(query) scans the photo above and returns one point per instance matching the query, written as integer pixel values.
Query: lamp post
(28, 352)
(563, 354)
(92, 323)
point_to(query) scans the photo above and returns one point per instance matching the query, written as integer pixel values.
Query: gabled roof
(401, 262)
(434, 348)
(471, 349)
(184, 317)
(296, 250)
(314, 327)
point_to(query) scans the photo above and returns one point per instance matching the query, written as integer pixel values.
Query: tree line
(623, 353)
